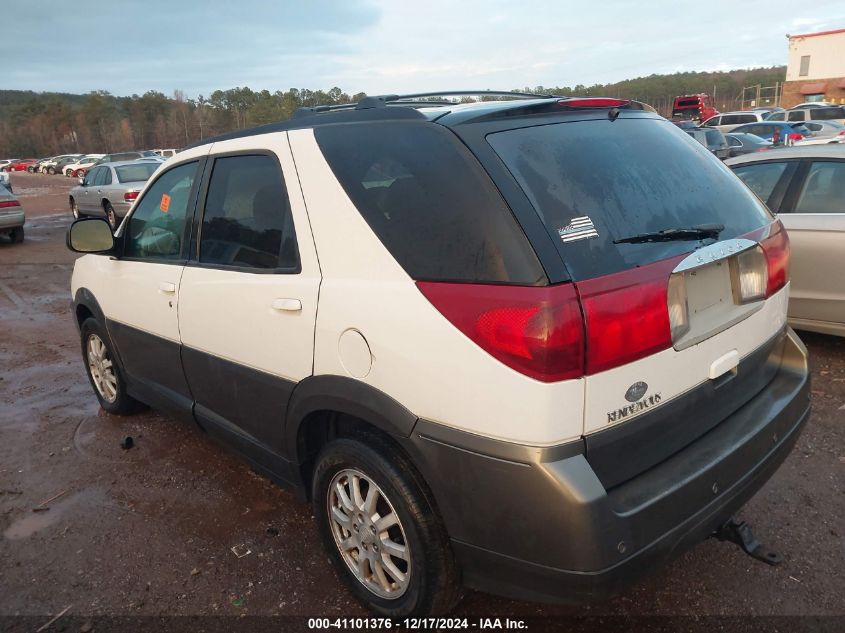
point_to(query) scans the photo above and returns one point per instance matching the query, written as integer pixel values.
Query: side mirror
(82, 181)
(90, 235)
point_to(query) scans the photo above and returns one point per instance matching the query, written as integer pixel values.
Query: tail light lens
(795, 136)
(538, 332)
(776, 249)
(749, 275)
(676, 298)
(627, 315)
(129, 196)
(8, 204)
(842, 133)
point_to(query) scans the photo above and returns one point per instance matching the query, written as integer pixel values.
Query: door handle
(167, 287)
(288, 305)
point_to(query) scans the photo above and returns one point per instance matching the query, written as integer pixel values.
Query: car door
(248, 298)
(105, 187)
(87, 193)
(814, 215)
(139, 290)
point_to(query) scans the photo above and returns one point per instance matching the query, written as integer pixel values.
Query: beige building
(815, 69)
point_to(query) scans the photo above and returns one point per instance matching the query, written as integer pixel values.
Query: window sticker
(165, 203)
(578, 229)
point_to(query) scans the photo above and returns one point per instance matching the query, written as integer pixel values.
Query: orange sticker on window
(165, 203)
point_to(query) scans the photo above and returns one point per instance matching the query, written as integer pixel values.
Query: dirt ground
(149, 531)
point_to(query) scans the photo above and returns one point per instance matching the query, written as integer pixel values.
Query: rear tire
(103, 371)
(397, 569)
(51, 171)
(111, 218)
(17, 235)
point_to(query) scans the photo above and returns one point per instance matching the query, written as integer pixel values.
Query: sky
(378, 46)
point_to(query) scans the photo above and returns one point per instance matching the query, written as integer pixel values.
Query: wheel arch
(323, 408)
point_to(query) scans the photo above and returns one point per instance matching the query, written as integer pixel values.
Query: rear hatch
(679, 270)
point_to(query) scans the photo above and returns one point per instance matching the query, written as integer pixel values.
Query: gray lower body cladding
(538, 524)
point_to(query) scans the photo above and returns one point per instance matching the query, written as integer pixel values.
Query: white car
(727, 121)
(82, 165)
(495, 344)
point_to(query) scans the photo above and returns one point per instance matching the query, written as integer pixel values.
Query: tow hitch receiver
(739, 532)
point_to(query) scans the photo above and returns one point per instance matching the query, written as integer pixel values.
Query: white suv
(533, 347)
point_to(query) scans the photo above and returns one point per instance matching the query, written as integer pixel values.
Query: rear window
(623, 177)
(136, 173)
(714, 137)
(429, 202)
(826, 114)
(687, 103)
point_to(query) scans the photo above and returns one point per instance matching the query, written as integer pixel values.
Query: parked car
(33, 167)
(727, 121)
(768, 109)
(713, 140)
(741, 143)
(805, 186)
(698, 107)
(81, 166)
(828, 113)
(627, 394)
(779, 133)
(63, 162)
(12, 217)
(815, 104)
(823, 133)
(166, 153)
(50, 166)
(124, 156)
(19, 165)
(5, 162)
(5, 180)
(110, 189)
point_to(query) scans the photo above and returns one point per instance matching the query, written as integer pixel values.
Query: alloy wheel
(102, 368)
(369, 534)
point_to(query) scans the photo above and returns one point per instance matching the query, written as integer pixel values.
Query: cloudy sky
(382, 46)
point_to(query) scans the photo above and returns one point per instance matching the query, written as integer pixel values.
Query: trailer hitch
(739, 533)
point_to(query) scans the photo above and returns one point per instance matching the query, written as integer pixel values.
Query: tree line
(45, 124)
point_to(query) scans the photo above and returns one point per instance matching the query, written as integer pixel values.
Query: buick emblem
(636, 391)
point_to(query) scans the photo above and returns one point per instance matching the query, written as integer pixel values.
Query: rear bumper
(538, 524)
(12, 220)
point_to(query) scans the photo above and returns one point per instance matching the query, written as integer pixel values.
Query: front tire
(51, 171)
(74, 209)
(104, 374)
(381, 530)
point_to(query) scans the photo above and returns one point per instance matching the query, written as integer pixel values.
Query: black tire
(111, 217)
(74, 209)
(51, 171)
(123, 403)
(434, 587)
(16, 235)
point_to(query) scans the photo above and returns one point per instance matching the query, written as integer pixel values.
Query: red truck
(698, 107)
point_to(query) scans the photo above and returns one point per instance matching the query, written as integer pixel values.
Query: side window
(824, 189)
(796, 115)
(90, 177)
(247, 220)
(777, 116)
(714, 137)
(731, 119)
(712, 121)
(106, 176)
(733, 141)
(746, 118)
(158, 229)
(761, 178)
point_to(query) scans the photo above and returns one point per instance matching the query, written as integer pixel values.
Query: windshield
(136, 173)
(623, 177)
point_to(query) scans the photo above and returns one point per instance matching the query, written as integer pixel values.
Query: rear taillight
(776, 249)
(129, 196)
(794, 136)
(842, 133)
(749, 275)
(627, 315)
(763, 149)
(7, 204)
(537, 331)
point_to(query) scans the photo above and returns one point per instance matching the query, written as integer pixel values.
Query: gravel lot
(148, 531)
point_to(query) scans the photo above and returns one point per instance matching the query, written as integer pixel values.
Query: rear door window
(430, 203)
(247, 221)
(623, 178)
(824, 189)
(826, 114)
(761, 178)
(797, 115)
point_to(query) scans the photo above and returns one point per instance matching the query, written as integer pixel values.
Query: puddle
(30, 524)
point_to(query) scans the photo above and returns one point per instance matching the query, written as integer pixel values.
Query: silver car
(110, 189)
(805, 187)
(12, 217)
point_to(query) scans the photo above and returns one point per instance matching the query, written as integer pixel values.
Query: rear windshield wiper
(697, 232)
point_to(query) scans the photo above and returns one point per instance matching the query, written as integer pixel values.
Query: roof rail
(415, 100)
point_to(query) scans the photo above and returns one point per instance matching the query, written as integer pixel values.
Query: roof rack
(417, 99)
